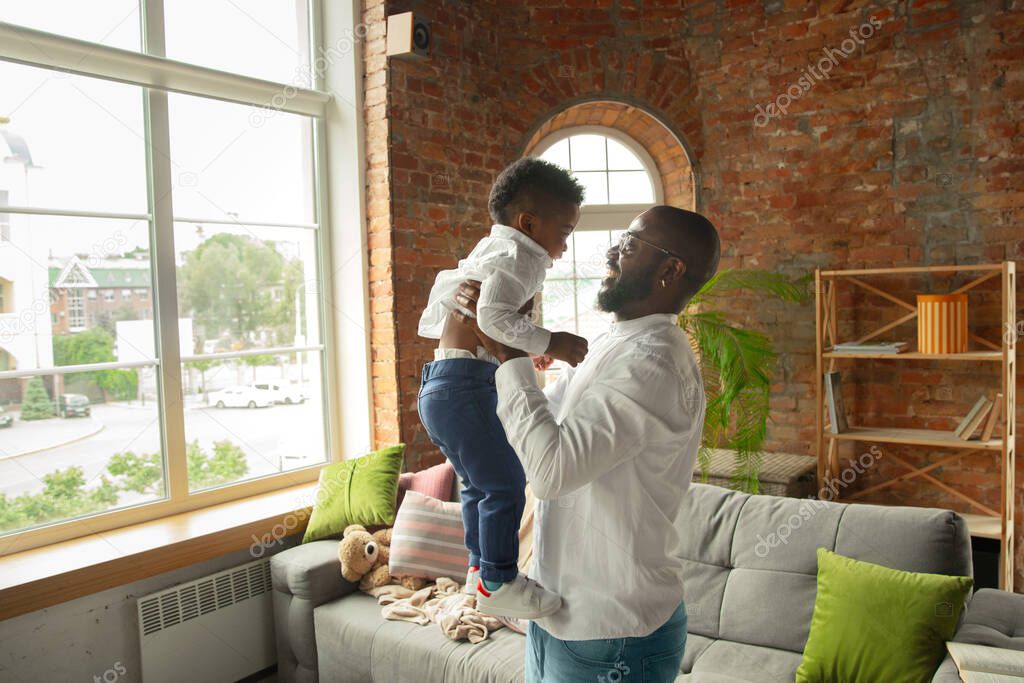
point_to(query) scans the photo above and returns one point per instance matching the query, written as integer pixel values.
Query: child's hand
(568, 347)
(542, 363)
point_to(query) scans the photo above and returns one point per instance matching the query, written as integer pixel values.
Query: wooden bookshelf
(990, 356)
(916, 437)
(983, 526)
(983, 522)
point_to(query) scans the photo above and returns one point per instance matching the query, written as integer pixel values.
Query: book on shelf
(993, 418)
(877, 347)
(836, 409)
(974, 417)
(986, 664)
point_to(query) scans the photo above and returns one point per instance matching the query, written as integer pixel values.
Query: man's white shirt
(609, 450)
(511, 268)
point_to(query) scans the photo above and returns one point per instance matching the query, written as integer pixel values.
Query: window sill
(46, 576)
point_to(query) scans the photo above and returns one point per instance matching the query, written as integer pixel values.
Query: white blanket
(443, 603)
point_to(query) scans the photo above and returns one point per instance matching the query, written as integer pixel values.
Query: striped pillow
(428, 540)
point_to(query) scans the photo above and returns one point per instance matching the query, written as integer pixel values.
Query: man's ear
(674, 269)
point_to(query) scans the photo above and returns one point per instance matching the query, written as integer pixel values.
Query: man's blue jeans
(458, 406)
(650, 659)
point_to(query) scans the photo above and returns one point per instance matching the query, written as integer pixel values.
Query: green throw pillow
(872, 623)
(359, 491)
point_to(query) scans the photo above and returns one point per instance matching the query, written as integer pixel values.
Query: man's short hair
(529, 185)
(695, 239)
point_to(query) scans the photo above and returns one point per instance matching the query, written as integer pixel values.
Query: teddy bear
(364, 559)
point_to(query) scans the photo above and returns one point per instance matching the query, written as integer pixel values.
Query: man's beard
(625, 290)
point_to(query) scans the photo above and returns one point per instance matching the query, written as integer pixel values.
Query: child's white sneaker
(522, 598)
(472, 577)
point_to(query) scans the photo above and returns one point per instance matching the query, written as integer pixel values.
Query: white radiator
(219, 628)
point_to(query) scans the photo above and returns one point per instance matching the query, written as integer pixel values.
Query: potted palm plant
(737, 365)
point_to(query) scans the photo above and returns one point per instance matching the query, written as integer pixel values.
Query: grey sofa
(749, 596)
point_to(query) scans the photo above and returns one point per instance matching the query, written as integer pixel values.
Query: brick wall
(909, 150)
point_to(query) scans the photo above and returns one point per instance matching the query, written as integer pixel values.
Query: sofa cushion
(742, 662)
(428, 539)
(358, 491)
(355, 644)
(911, 539)
(769, 608)
(695, 646)
(875, 623)
(436, 482)
(703, 590)
(782, 534)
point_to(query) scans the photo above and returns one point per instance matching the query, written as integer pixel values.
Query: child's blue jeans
(458, 407)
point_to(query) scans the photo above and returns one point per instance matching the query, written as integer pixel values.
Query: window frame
(602, 217)
(608, 216)
(157, 76)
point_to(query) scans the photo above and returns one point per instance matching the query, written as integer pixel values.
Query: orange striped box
(942, 323)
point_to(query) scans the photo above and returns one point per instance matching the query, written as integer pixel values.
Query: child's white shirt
(510, 267)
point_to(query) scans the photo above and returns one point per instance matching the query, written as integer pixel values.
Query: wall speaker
(408, 36)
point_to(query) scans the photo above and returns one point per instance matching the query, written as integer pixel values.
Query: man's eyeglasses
(628, 237)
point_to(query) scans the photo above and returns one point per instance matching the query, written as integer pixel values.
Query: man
(609, 450)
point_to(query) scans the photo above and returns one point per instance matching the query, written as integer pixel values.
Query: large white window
(177, 152)
(621, 181)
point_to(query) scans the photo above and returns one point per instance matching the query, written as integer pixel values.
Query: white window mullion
(39, 48)
(161, 235)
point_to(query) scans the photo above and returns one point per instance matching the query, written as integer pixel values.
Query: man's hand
(568, 347)
(469, 292)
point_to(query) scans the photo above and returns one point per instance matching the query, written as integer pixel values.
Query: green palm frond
(737, 366)
(761, 281)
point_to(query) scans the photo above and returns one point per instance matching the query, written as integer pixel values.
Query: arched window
(621, 181)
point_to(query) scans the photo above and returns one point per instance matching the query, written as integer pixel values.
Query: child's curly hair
(531, 180)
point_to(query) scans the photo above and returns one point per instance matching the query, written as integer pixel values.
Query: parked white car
(241, 397)
(283, 393)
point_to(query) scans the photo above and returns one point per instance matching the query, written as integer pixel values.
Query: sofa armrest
(304, 578)
(994, 618)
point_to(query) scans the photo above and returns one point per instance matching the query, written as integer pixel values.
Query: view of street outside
(78, 287)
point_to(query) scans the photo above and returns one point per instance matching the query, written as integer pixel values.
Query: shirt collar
(508, 232)
(625, 327)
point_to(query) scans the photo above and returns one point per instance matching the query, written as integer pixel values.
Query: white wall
(94, 634)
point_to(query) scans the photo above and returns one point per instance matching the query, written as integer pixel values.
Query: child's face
(551, 227)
